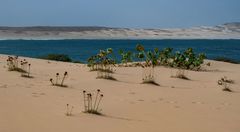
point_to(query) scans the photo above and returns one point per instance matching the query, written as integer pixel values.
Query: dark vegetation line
(125, 55)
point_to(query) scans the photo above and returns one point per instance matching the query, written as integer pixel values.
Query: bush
(57, 57)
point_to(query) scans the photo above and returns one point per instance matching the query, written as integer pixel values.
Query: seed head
(65, 73)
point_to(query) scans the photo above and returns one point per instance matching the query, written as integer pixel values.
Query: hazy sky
(118, 13)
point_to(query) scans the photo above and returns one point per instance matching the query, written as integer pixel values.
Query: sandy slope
(198, 105)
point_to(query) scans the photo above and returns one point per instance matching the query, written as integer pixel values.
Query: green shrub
(57, 57)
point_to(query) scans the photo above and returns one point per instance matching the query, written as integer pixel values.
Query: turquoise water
(82, 49)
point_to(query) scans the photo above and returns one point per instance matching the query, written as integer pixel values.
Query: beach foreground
(195, 105)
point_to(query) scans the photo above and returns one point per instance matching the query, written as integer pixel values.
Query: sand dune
(196, 105)
(225, 31)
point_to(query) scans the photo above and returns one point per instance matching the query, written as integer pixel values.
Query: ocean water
(82, 49)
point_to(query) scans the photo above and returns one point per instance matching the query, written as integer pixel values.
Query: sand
(196, 105)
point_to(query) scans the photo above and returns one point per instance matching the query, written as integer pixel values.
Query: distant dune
(225, 31)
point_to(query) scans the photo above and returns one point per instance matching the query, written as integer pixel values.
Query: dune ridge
(225, 31)
(198, 104)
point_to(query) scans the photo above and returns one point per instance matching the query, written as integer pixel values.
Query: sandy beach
(195, 105)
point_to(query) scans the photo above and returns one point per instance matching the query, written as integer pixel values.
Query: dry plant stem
(96, 99)
(65, 74)
(91, 102)
(71, 111)
(57, 76)
(99, 102)
(29, 65)
(88, 101)
(51, 80)
(84, 100)
(63, 80)
(67, 110)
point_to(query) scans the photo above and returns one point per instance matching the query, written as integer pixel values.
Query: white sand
(198, 105)
(229, 31)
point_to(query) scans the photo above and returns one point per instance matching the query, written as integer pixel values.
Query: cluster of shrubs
(186, 60)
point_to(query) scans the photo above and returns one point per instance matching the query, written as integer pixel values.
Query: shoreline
(120, 39)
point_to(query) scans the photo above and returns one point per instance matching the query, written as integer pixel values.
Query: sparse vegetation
(26, 67)
(126, 57)
(103, 63)
(150, 59)
(13, 64)
(225, 83)
(69, 110)
(181, 73)
(22, 66)
(57, 57)
(225, 79)
(90, 106)
(57, 80)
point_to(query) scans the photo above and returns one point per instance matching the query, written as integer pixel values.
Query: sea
(81, 50)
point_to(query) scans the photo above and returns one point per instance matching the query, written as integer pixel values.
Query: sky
(119, 13)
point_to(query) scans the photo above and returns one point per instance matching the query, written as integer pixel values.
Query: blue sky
(119, 13)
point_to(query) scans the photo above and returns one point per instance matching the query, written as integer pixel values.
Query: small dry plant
(180, 73)
(225, 83)
(148, 76)
(26, 67)
(13, 64)
(105, 72)
(69, 110)
(91, 106)
(57, 81)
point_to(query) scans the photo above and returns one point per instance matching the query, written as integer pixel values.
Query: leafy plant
(150, 59)
(126, 57)
(188, 60)
(165, 56)
(103, 63)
